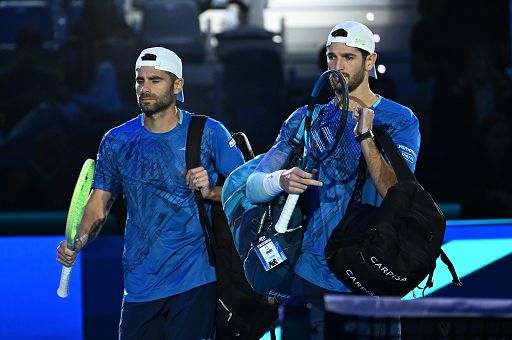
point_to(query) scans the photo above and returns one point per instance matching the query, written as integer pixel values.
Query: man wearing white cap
(170, 290)
(351, 51)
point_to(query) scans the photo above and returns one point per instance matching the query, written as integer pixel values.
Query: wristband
(271, 183)
(365, 135)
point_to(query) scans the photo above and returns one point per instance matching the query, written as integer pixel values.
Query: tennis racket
(323, 130)
(75, 212)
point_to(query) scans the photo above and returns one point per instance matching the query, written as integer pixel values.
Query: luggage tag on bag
(269, 251)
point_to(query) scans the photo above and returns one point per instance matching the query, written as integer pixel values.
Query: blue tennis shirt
(164, 250)
(325, 206)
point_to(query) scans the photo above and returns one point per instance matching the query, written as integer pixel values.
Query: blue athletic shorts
(189, 315)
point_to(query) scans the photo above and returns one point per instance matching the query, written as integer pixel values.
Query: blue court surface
(481, 251)
(30, 307)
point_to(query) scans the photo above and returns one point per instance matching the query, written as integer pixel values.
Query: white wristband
(271, 183)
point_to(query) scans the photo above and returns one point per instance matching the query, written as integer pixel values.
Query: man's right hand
(66, 256)
(296, 180)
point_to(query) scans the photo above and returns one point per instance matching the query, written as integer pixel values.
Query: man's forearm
(89, 229)
(95, 214)
(255, 190)
(381, 172)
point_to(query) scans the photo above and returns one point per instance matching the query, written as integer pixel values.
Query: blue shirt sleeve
(407, 139)
(106, 175)
(402, 126)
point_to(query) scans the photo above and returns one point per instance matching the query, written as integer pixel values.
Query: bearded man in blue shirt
(351, 51)
(170, 289)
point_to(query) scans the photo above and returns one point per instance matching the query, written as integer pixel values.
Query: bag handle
(296, 140)
(192, 159)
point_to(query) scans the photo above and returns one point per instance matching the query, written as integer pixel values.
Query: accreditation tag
(269, 251)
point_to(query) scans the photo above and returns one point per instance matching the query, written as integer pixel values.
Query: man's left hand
(364, 118)
(197, 179)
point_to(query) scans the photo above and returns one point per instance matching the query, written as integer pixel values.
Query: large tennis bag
(389, 250)
(251, 223)
(241, 313)
(257, 226)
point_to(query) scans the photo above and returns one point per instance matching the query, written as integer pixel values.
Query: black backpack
(389, 250)
(241, 313)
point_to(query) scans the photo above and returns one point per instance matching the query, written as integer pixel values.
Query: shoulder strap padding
(193, 160)
(194, 136)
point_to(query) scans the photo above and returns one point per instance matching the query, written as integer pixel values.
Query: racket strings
(325, 132)
(328, 133)
(344, 158)
(342, 164)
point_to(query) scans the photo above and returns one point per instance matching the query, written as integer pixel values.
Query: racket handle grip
(65, 275)
(286, 214)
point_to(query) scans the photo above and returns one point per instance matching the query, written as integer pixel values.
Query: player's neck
(362, 96)
(163, 121)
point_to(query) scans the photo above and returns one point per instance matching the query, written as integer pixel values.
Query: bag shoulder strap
(402, 171)
(194, 135)
(384, 142)
(193, 160)
(357, 194)
(296, 139)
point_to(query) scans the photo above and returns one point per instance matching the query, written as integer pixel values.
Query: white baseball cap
(358, 35)
(166, 60)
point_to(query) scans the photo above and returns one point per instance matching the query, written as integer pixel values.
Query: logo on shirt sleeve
(232, 143)
(407, 153)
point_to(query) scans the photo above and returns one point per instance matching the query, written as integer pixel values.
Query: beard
(159, 104)
(352, 84)
(356, 79)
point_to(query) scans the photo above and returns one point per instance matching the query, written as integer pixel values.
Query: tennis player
(351, 51)
(169, 285)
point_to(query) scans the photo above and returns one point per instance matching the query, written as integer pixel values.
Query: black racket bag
(389, 250)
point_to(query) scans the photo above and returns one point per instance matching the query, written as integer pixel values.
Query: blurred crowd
(57, 99)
